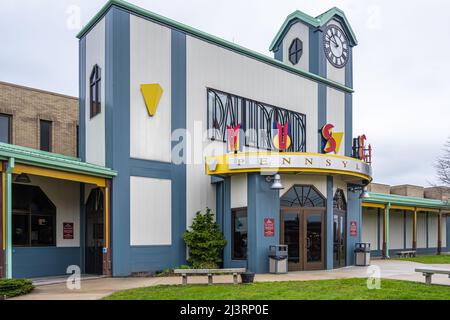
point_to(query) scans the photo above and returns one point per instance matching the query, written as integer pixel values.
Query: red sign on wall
(68, 230)
(269, 227)
(353, 229)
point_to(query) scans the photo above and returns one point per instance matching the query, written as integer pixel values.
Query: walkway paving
(98, 288)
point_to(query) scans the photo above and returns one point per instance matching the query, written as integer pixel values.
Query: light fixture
(276, 179)
(23, 178)
(364, 194)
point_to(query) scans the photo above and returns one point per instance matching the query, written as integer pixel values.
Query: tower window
(95, 91)
(295, 51)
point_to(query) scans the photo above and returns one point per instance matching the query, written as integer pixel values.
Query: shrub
(15, 287)
(205, 241)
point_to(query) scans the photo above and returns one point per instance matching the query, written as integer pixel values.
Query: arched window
(95, 91)
(303, 197)
(295, 51)
(339, 202)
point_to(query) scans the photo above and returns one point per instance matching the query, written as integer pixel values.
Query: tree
(205, 241)
(443, 165)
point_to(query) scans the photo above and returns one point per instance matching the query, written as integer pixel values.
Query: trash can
(362, 254)
(278, 259)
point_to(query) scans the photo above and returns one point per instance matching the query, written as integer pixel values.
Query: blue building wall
(354, 213)
(126, 258)
(46, 261)
(262, 203)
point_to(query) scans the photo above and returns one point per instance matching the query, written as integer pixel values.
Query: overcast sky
(401, 64)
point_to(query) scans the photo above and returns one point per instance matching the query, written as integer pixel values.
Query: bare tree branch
(442, 165)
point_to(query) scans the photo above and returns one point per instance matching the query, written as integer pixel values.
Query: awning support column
(3, 222)
(8, 207)
(106, 225)
(414, 244)
(439, 244)
(386, 232)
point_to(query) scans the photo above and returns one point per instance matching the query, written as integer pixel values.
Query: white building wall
(65, 195)
(336, 113)
(396, 228)
(432, 230)
(301, 31)
(333, 73)
(215, 67)
(421, 230)
(150, 63)
(150, 224)
(409, 229)
(238, 191)
(95, 127)
(369, 232)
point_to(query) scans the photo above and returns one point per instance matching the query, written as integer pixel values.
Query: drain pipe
(9, 171)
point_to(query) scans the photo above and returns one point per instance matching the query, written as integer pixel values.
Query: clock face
(336, 46)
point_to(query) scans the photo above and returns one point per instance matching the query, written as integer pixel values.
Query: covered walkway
(393, 223)
(48, 206)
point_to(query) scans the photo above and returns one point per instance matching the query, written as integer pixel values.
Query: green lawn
(443, 259)
(342, 289)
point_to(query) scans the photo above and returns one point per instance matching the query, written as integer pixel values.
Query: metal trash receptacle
(362, 254)
(278, 259)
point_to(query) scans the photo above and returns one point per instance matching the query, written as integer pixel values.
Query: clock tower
(323, 46)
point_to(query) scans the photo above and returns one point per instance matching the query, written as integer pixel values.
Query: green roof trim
(392, 199)
(207, 37)
(316, 22)
(28, 156)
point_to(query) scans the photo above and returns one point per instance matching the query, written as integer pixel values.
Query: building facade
(38, 119)
(173, 155)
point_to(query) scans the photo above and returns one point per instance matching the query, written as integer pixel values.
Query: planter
(247, 277)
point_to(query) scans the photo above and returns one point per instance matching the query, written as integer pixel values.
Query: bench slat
(209, 271)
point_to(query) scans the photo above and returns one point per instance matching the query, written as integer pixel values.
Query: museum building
(173, 121)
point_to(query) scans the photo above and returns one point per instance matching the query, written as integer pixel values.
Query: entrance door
(94, 233)
(339, 229)
(302, 230)
(339, 239)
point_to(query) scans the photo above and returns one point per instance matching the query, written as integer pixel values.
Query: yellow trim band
(373, 205)
(395, 207)
(57, 174)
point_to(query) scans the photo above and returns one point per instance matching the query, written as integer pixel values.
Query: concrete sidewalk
(99, 288)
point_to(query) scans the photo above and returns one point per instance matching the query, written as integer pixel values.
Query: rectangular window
(95, 91)
(239, 233)
(46, 135)
(5, 128)
(33, 230)
(257, 119)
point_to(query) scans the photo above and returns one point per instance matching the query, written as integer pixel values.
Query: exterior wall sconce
(363, 189)
(276, 182)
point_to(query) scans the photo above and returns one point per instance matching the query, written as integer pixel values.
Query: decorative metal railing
(256, 120)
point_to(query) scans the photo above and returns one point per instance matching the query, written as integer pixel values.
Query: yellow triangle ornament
(152, 94)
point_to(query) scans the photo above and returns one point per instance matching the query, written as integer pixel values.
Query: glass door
(313, 240)
(290, 236)
(339, 239)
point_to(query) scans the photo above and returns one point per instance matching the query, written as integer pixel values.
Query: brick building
(38, 119)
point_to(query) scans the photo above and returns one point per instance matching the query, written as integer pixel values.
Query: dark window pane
(20, 229)
(46, 135)
(95, 91)
(239, 225)
(292, 236)
(295, 51)
(5, 128)
(314, 237)
(42, 230)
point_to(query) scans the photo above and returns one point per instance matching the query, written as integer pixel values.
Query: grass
(442, 259)
(342, 289)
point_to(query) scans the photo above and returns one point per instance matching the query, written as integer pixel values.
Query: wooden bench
(407, 254)
(429, 272)
(209, 272)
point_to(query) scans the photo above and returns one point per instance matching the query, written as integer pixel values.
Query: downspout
(387, 217)
(9, 171)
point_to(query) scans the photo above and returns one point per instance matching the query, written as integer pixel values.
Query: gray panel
(329, 224)
(353, 214)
